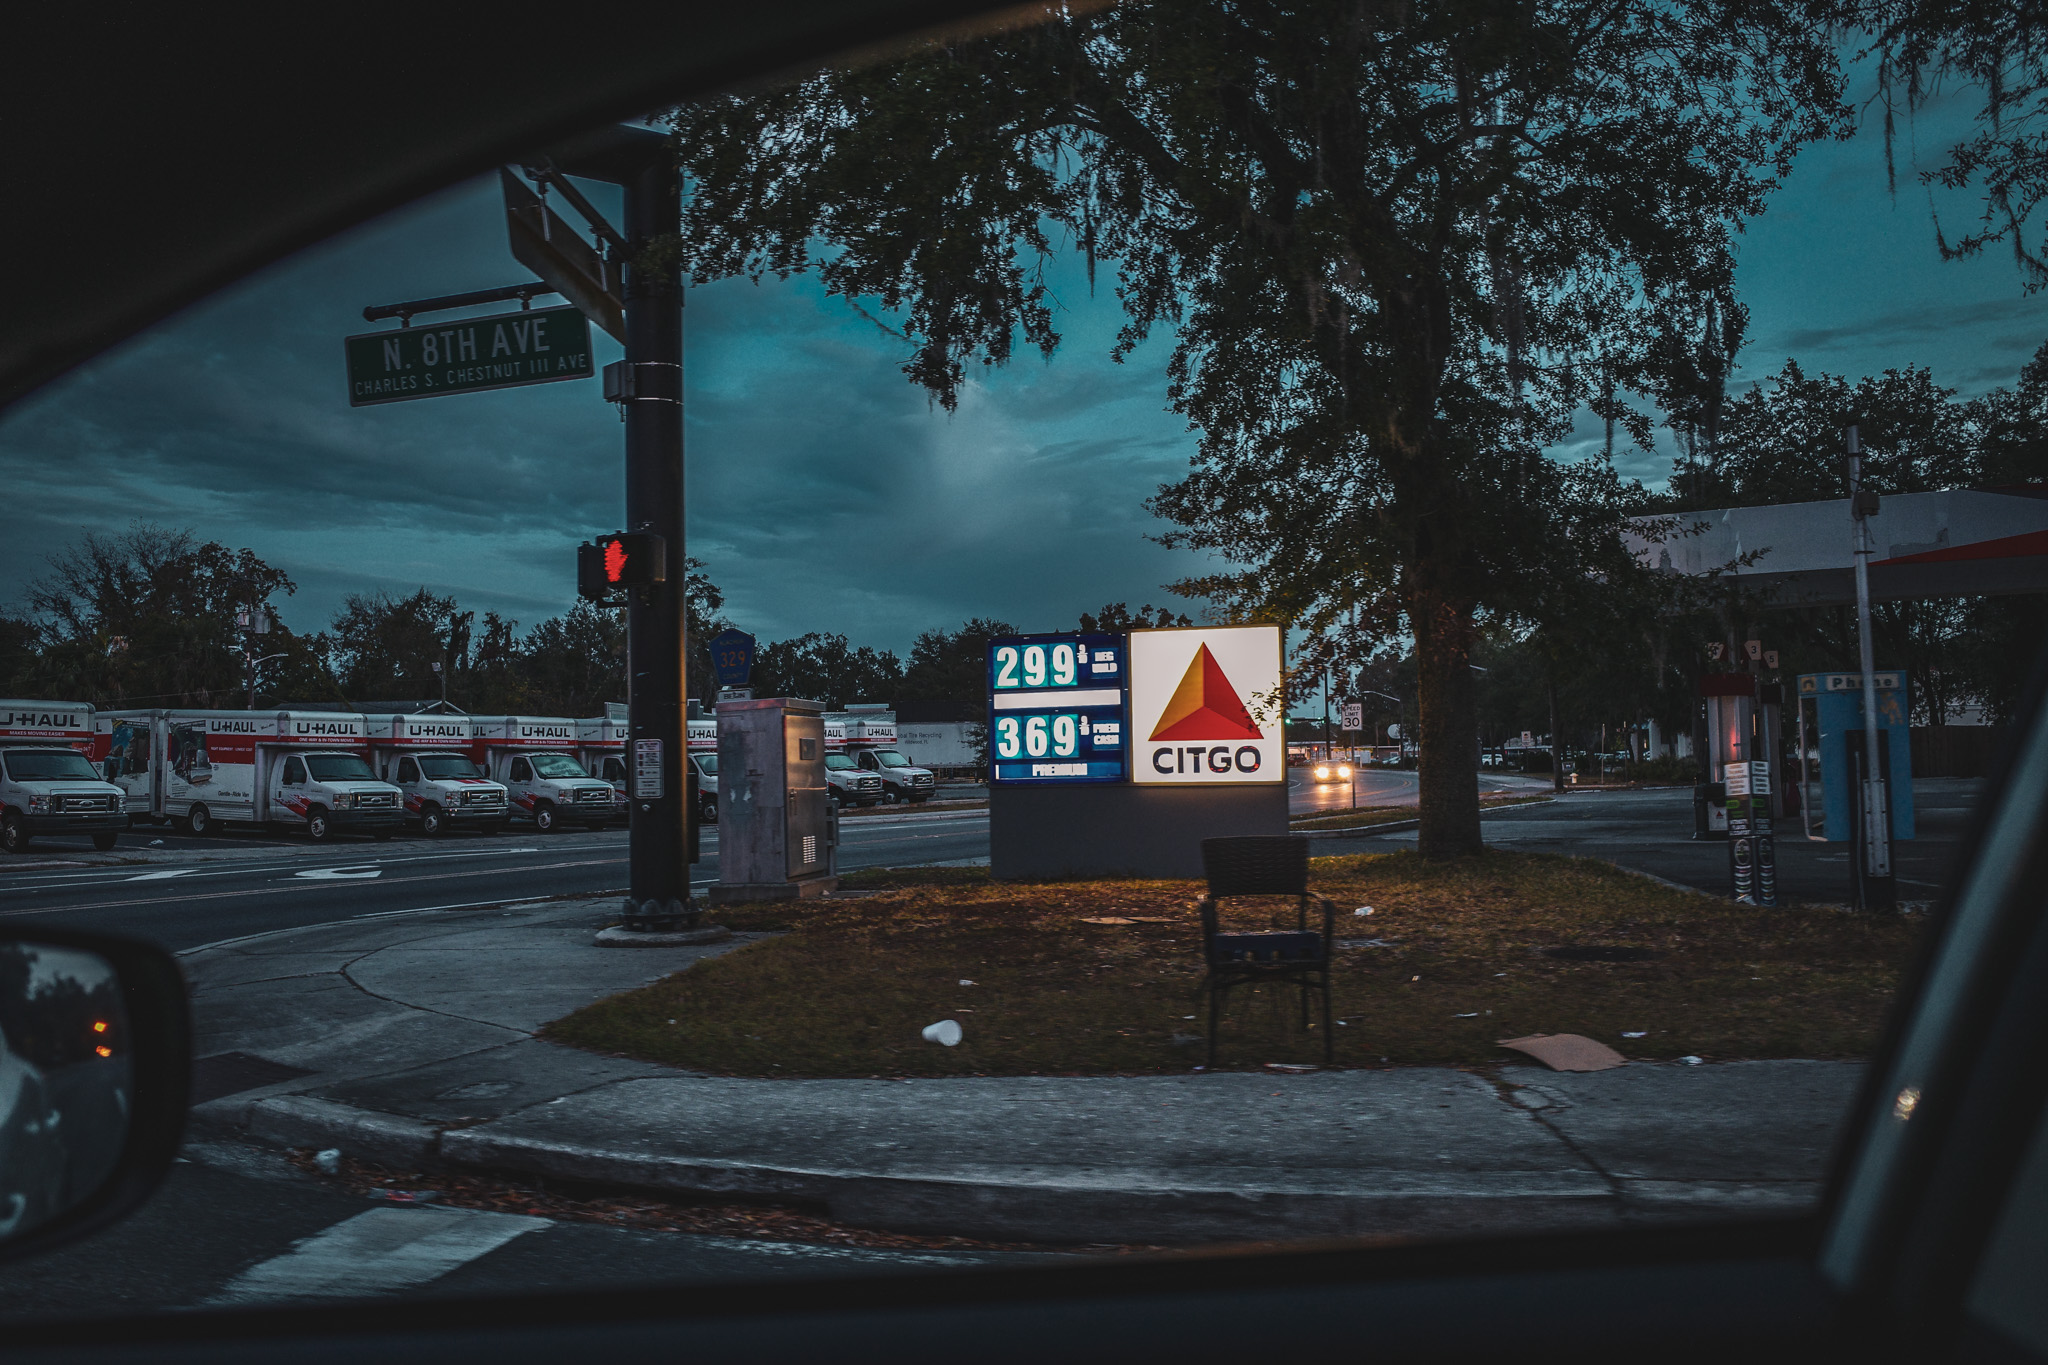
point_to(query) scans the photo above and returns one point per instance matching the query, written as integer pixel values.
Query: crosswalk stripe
(376, 1253)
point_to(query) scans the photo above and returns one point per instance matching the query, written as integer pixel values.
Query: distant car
(1332, 772)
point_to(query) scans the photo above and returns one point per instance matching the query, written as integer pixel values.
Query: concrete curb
(303, 1121)
(1158, 1208)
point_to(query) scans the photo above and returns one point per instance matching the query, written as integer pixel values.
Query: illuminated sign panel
(1056, 709)
(1205, 706)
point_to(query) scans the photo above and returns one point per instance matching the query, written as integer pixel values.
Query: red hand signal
(614, 560)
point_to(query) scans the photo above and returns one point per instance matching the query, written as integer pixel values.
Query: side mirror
(95, 1076)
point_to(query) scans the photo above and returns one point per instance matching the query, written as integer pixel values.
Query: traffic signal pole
(641, 161)
(657, 620)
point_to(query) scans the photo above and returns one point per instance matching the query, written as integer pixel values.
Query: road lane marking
(358, 873)
(378, 1252)
(244, 869)
(272, 891)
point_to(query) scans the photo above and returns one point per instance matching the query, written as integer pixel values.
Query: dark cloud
(825, 491)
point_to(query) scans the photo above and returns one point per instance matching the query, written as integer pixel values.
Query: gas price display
(1056, 709)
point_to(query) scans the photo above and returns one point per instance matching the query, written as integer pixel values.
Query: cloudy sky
(824, 491)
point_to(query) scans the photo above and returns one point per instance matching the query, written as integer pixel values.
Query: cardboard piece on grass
(1566, 1051)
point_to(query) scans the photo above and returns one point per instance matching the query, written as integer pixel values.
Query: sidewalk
(408, 1040)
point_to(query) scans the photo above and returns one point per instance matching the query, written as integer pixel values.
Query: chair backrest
(1256, 865)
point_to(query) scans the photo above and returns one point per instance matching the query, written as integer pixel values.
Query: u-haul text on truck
(534, 757)
(48, 784)
(427, 758)
(197, 769)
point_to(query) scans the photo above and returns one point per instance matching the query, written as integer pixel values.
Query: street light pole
(1875, 887)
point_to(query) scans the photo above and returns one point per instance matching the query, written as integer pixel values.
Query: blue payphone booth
(1837, 700)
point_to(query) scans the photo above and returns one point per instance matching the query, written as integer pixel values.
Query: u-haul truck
(200, 769)
(534, 756)
(702, 748)
(846, 782)
(601, 748)
(870, 733)
(427, 758)
(48, 784)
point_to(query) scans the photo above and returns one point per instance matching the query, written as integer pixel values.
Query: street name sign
(1056, 709)
(1205, 706)
(544, 243)
(507, 351)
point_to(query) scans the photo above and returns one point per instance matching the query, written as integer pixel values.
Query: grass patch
(1366, 816)
(1452, 959)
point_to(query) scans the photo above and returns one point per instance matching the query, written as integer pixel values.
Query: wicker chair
(1265, 867)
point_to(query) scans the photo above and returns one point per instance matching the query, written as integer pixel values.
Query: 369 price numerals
(1038, 736)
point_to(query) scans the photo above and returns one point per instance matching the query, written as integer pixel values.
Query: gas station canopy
(1959, 543)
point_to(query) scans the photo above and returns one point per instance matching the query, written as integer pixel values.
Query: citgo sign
(1205, 706)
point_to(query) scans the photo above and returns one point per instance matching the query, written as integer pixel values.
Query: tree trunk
(1447, 727)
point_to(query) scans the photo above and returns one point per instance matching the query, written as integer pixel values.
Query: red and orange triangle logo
(1205, 705)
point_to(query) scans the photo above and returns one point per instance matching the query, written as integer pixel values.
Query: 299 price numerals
(1038, 736)
(1035, 666)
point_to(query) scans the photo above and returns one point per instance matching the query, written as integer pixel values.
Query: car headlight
(341, 801)
(1344, 771)
(1322, 772)
(39, 805)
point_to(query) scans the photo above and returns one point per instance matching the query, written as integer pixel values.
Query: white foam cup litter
(1363, 910)
(946, 1031)
(328, 1161)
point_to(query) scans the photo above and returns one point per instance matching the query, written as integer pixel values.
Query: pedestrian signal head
(624, 559)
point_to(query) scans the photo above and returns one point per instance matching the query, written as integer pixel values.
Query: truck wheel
(707, 812)
(13, 837)
(199, 820)
(433, 822)
(104, 842)
(544, 817)
(317, 827)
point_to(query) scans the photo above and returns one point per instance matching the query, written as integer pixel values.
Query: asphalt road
(1651, 831)
(180, 891)
(1384, 787)
(239, 1226)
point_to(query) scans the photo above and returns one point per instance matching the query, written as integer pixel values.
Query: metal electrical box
(778, 835)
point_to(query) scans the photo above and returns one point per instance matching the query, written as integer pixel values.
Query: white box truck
(871, 741)
(846, 782)
(601, 749)
(307, 770)
(427, 758)
(703, 754)
(534, 757)
(48, 784)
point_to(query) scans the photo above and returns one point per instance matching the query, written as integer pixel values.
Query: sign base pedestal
(1122, 830)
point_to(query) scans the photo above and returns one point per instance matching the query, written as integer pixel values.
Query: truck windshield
(49, 765)
(557, 765)
(338, 768)
(889, 758)
(707, 764)
(839, 763)
(446, 765)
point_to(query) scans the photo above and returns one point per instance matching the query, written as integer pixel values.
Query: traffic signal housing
(610, 564)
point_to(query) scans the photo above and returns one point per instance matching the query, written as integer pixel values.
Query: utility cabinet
(778, 835)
